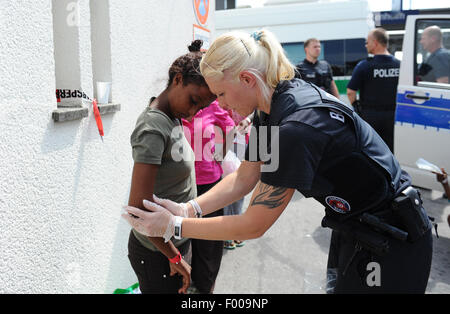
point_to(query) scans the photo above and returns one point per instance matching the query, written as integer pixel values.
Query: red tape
(98, 118)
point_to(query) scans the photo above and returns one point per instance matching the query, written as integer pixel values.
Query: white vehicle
(341, 27)
(422, 127)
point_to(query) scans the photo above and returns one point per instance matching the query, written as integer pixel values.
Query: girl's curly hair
(189, 65)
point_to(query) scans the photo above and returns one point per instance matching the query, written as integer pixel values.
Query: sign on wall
(201, 12)
(203, 34)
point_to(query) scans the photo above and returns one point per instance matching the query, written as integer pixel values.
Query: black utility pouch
(411, 215)
(357, 106)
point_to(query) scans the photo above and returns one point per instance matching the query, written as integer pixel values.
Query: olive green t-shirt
(159, 140)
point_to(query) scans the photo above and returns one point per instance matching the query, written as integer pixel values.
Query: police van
(422, 126)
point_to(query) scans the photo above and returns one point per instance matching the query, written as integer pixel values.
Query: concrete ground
(292, 256)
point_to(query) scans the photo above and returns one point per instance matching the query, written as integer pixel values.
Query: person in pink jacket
(207, 128)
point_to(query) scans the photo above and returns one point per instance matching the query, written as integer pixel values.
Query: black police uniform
(318, 73)
(328, 152)
(377, 78)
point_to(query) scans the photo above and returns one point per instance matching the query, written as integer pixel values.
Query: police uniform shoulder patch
(338, 204)
(335, 115)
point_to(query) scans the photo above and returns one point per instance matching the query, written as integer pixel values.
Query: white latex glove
(177, 209)
(158, 222)
(218, 156)
(243, 126)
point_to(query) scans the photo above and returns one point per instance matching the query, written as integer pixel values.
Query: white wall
(61, 188)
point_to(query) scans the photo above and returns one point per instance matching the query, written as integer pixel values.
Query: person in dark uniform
(316, 71)
(376, 78)
(381, 240)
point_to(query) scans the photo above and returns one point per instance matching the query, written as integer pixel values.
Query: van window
(342, 54)
(355, 51)
(295, 52)
(432, 54)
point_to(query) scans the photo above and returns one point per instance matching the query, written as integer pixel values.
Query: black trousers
(206, 254)
(404, 269)
(152, 268)
(382, 121)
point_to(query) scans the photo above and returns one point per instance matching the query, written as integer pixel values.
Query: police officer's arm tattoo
(269, 196)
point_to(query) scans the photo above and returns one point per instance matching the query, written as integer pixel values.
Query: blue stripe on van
(434, 112)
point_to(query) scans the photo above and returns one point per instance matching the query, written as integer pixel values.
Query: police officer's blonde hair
(259, 53)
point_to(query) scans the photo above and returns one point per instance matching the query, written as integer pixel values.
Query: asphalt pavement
(291, 257)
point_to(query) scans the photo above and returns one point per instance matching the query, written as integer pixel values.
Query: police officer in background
(436, 67)
(376, 78)
(316, 71)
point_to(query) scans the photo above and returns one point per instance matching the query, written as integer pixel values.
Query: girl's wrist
(191, 213)
(176, 259)
(197, 211)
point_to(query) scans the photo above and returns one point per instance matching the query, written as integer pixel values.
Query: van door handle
(412, 96)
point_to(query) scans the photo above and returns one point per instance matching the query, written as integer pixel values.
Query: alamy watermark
(373, 279)
(263, 144)
(73, 276)
(73, 16)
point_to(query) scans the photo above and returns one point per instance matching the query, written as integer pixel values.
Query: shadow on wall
(120, 270)
(72, 147)
(63, 136)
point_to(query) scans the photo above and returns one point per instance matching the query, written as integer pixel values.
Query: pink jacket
(201, 130)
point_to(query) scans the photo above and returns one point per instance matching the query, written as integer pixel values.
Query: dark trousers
(382, 121)
(206, 254)
(404, 269)
(152, 267)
